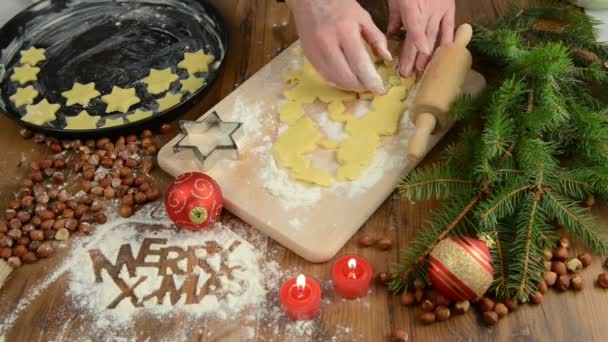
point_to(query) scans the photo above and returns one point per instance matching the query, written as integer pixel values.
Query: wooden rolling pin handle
(463, 35)
(425, 125)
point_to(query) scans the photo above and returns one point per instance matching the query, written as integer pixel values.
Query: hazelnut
(153, 194)
(441, 300)
(563, 282)
(102, 142)
(49, 234)
(85, 228)
(59, 164)
(62, 234)
(548, 254)
(24, 216)
(47, 224)
(57, 207)
(511, 304)
(501, 309)
(107, 162)
(146, 142)
(151, 150)
(24, 192)
(96, 206)
(427, 318)
(6, 241)
(418, 295)
(36, 221)
(53, 193)
(81, 209)
(144, 187)
(537, 297)
(131, 138)
(14, 262)
(109, 193)
(550, 278)
(105, 182)
(42, 198)
(44, 251)
(125, 211)
(6, 253)
(442, 313)
(15, 233)
(577, 283)
(574, 265)
(125, 172)
(29, 258)
(585, 258)
(564, 242)
(37, 235)
(559, 268)
(37, 176)
(131, 163)
(590, 201)
(542, 287)
(398, 335)
(88, 174)
(462, 307)
(68, 213)
(39, 138)
(602, 280)
(60, 224)
(486, 304)
(24, 240)
(56, 148)
(140, 198)
(427, 305)
(385, 244)
(3, 227)
(101, 218)
(19, 250)
(14, 204)
(165, 128)
(146, 133)
(490, 317)
(47, 214)
(547, 265)
(34, 165)
(128, 181)
(118, 163)
(10, 214)
(46, 163)
(87, 217)
(77, 167)
(97, 191)
(407, 298)
(26, 133)
(384, 278)
(90, 143)
(561, 253)
(71, 224)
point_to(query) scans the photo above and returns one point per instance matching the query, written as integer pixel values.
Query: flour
(333, 130)
(250, 114)
(296, 223)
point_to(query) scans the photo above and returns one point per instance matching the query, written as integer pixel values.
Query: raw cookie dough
(196, 62)
(293, 146)
(24, 96)
(139, 115)
(328, 144)
(192, 84)
(159, 81)
(170, 100)
(80, 94)
(290, 112)
(113, 122)
(25, 74)
(40, 113)
(82, 121)
(120, 100)
(32, 56)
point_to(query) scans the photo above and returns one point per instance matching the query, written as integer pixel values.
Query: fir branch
(434, 182)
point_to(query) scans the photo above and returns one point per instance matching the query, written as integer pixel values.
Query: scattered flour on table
(250, 113)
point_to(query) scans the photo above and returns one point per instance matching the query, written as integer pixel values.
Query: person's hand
(333, 35)
(424, 21)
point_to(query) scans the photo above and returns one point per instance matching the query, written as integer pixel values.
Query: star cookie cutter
(208, 140)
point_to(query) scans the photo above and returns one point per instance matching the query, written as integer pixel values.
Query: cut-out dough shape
(82, 121)
(192, 84)
(120, 100)
(25, 74)
(328, 144)
(170, 100)
(311, 87)
(24, 96)
(293, 146)
(196, 62)
(40, 113)
(32, 56)
(290, 112)
(113, 122)
(80, 94)
(139, 115)
(160, 81)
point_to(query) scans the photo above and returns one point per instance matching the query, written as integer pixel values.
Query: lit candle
(352, 276)
(301, 297)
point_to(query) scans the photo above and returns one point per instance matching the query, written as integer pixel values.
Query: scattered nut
(543, 287)
(585, 258)
(407, 298)
(398, 335)
(384, 278)
(29, 258)
(44, 251)
(486, 304)
(574, 265)
(385, 244)
(511, 304)
(590, 201)
(427, 318)
(125, 211)
(165, 128)
(501, 309)
(14, 262)
(563, 282)
(62, 234)
(561, 253)
(602, 280)
(462, 307)
(559, 268)
(577, 282)
(550, 278)
(427, 305)
(490, 317)
(537, 297)
(564, 242)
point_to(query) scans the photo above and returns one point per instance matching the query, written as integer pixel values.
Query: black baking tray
(110, 43)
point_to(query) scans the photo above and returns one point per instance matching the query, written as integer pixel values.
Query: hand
(423, 21)
(333, 35)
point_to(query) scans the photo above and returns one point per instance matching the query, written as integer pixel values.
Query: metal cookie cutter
(208, 139)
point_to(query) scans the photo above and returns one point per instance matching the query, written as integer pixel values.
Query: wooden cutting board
(319, 230)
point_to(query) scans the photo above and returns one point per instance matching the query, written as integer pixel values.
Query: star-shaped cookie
(196, 61)
(120, 100)
(139, 115)
(159, 81)
(40, 113)
(80, 94)
(170, 100)
(25, 74)
(113, 122)
(192, 84)
(32, 56)
(24, 96)
(82, 121)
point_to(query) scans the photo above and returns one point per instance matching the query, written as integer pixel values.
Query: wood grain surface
(259, 30)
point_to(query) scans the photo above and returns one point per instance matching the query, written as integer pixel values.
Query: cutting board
(313, 222)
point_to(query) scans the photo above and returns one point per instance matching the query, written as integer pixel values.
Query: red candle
(352, 276)
(301, 297)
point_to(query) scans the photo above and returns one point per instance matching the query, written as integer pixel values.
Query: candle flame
(301, 282)
(352, 263)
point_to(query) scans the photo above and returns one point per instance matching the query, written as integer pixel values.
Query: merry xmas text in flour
(202, 270)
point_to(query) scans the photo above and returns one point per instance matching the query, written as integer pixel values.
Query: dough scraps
(170, 100)
(192, 84)
(356, 152)
(80, 94)
(25, 74)
(32, 56)
(82, 121)
(120, 100)
(24, 96)
(139, 115)
(40, 113)
(160, 81)
(113, 122)
(196, 62)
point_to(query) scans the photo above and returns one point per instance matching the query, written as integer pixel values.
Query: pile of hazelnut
(69, 191)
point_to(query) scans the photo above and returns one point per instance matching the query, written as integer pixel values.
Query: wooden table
(259, 30)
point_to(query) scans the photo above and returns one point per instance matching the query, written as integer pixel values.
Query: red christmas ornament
(194, 201)
(461, 268)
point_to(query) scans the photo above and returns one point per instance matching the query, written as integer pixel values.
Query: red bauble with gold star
(461, 268)
(194, 201)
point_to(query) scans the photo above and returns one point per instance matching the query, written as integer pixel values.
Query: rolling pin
(441, 83)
